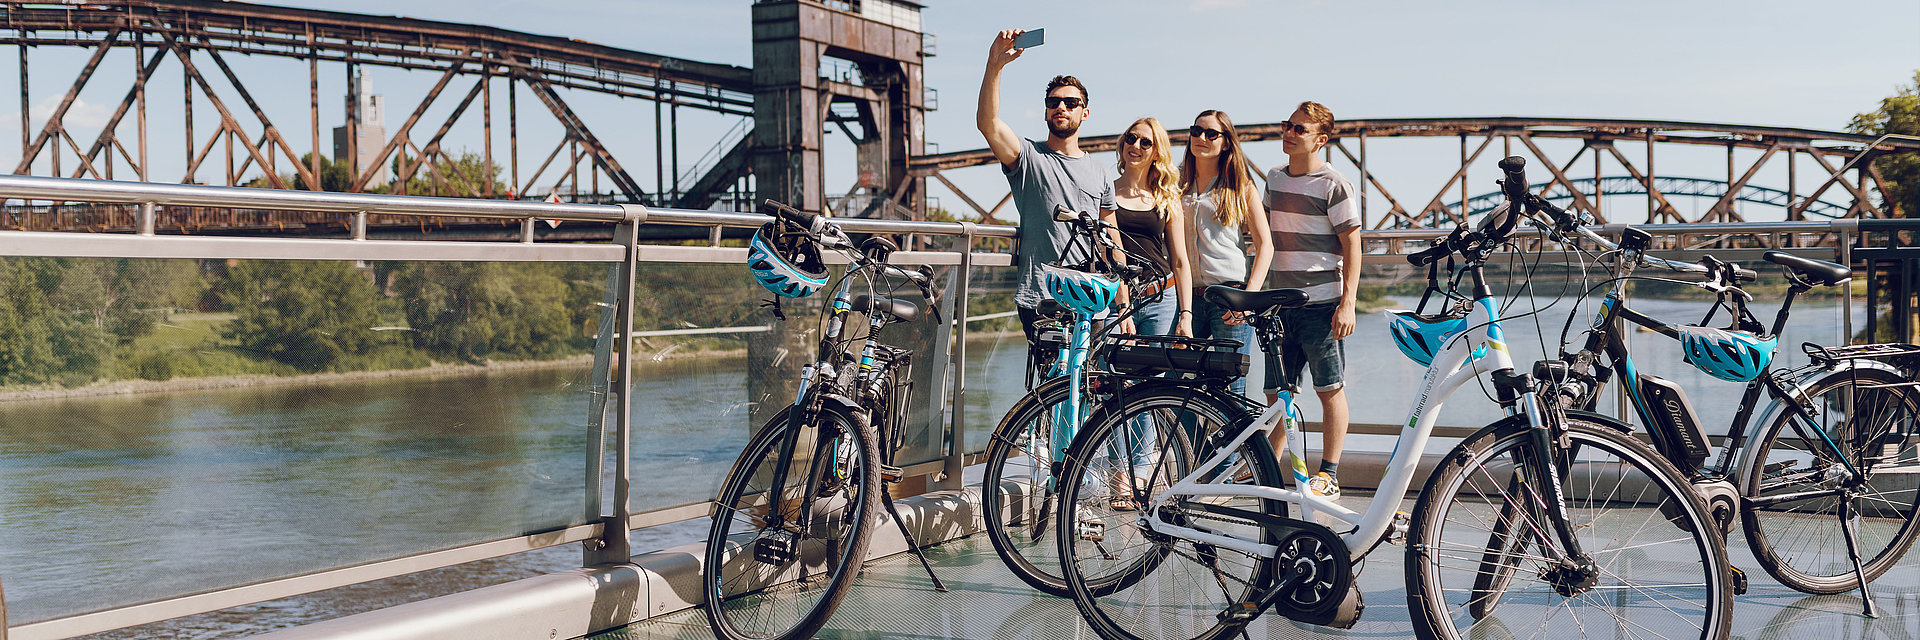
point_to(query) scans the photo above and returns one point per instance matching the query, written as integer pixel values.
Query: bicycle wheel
(1659, 570)
(1018, 489)
(1871, 415)
(1129, 581)
(784, 582)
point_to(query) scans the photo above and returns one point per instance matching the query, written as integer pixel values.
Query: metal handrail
(78, 190)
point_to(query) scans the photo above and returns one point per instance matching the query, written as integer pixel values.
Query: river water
(110, 501)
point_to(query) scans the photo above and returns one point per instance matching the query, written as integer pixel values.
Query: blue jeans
(1157, 318)
(1207, 324)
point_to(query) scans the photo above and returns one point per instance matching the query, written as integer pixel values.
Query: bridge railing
(208, 494)
(336, 461)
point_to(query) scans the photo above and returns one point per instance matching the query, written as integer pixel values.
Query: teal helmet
(1079, 291)
(1421, 336)
(1728, 354)
(796, 272)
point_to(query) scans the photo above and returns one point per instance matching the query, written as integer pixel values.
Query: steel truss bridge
(1844, 180)
(199, 37)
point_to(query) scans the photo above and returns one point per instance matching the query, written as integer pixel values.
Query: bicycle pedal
(891, 473)
(1240, 612)
(1739, 581)
(775, 548)
(1090, 531)
(1397, 532)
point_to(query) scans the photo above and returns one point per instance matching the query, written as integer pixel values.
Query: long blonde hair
(1161, 179)
(1235, 176)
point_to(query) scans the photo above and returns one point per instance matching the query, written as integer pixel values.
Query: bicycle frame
(809, 397)
(1480, 349)
(1614, 313)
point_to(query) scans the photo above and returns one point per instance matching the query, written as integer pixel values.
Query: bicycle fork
(1573, 572)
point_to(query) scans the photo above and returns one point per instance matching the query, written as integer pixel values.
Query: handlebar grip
(800, 218)
(1431, 254)
(1743, 275)
(1515, 184)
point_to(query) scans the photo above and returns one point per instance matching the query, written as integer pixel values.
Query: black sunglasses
(1054, 102)
(1197, 131)
(1287, 126)
(1137, 141)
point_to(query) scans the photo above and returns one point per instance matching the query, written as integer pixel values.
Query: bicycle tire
(1633, 511)
(747, 599)
(1133, 584)
(1800, 543)
(1015, 496)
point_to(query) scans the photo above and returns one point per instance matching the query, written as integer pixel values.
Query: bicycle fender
(1796, 392)
(1519, 421)
(837, 402)
(1100, 410)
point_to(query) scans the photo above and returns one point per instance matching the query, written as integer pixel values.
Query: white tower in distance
(369, 115)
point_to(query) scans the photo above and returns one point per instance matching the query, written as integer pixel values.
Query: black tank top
(1143, 233)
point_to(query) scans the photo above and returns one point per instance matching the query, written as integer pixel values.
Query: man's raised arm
(1000, 137)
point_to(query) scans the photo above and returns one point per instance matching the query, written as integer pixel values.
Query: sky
(1754, 63)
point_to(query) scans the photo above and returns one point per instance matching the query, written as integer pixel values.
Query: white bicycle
(1624, 547)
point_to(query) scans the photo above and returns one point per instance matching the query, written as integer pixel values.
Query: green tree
(40, 342)
(125, 296)
(464, 176)
(335, 175)
(308, 314)
(1899, 113)
(475, 311)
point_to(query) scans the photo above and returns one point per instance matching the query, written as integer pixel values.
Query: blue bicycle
(1021, 482)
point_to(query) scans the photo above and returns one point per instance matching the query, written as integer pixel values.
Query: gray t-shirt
(1041, 179)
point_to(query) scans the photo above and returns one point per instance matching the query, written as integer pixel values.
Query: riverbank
(438, 370)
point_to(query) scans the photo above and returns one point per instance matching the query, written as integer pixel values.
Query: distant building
(369, 121)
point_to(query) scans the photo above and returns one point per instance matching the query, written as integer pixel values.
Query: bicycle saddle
(902, 310)
(1234, 299)
(1819, 272)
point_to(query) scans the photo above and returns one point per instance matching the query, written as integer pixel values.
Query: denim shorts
(1308, 344)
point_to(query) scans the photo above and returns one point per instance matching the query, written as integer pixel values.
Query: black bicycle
(792, 523)
(1826, 480)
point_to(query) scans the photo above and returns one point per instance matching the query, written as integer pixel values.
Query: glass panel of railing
(180, 426)
(996, 354)
(699, 331)
(714, 367)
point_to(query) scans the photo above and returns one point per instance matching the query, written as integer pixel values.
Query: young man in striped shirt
(1316, 247)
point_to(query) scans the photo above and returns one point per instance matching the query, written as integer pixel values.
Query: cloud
(81, 115)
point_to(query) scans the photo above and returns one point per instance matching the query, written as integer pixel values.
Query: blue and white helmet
(1079, 291)
(1731, 355)
(794, 273)
(1421, 336)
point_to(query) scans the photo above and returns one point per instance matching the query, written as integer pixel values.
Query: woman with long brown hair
(1222, 206)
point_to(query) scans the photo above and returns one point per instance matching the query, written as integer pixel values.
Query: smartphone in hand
(1030, 39)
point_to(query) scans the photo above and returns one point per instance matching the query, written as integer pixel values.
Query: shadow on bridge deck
(894, 600)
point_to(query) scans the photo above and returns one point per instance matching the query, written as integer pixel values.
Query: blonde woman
(1149, 214)
(1222, 206)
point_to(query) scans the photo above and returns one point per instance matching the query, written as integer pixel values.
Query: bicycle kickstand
(912, 545)
(1850, 532)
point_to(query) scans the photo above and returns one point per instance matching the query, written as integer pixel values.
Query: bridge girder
(1598, 136)
(192, 32)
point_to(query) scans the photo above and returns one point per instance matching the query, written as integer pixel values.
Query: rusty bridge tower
(851, 64)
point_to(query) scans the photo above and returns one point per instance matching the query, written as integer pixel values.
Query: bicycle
(793, 520)
(1217, 547)
(1020, 481)
(1804, 489)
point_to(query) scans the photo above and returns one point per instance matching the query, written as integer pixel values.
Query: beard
(1059, 131)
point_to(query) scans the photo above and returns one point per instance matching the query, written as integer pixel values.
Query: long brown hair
(1161, 180)
(1235, 176)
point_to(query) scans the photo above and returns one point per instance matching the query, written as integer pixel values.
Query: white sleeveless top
(1217, 253)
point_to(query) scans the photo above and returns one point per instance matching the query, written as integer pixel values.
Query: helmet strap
(774, 306)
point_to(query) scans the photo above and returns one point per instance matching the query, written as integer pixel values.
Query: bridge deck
(894, 600)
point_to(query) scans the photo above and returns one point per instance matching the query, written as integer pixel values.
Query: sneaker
(1322, 484)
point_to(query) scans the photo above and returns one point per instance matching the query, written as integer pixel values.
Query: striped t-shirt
(1306, 213)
